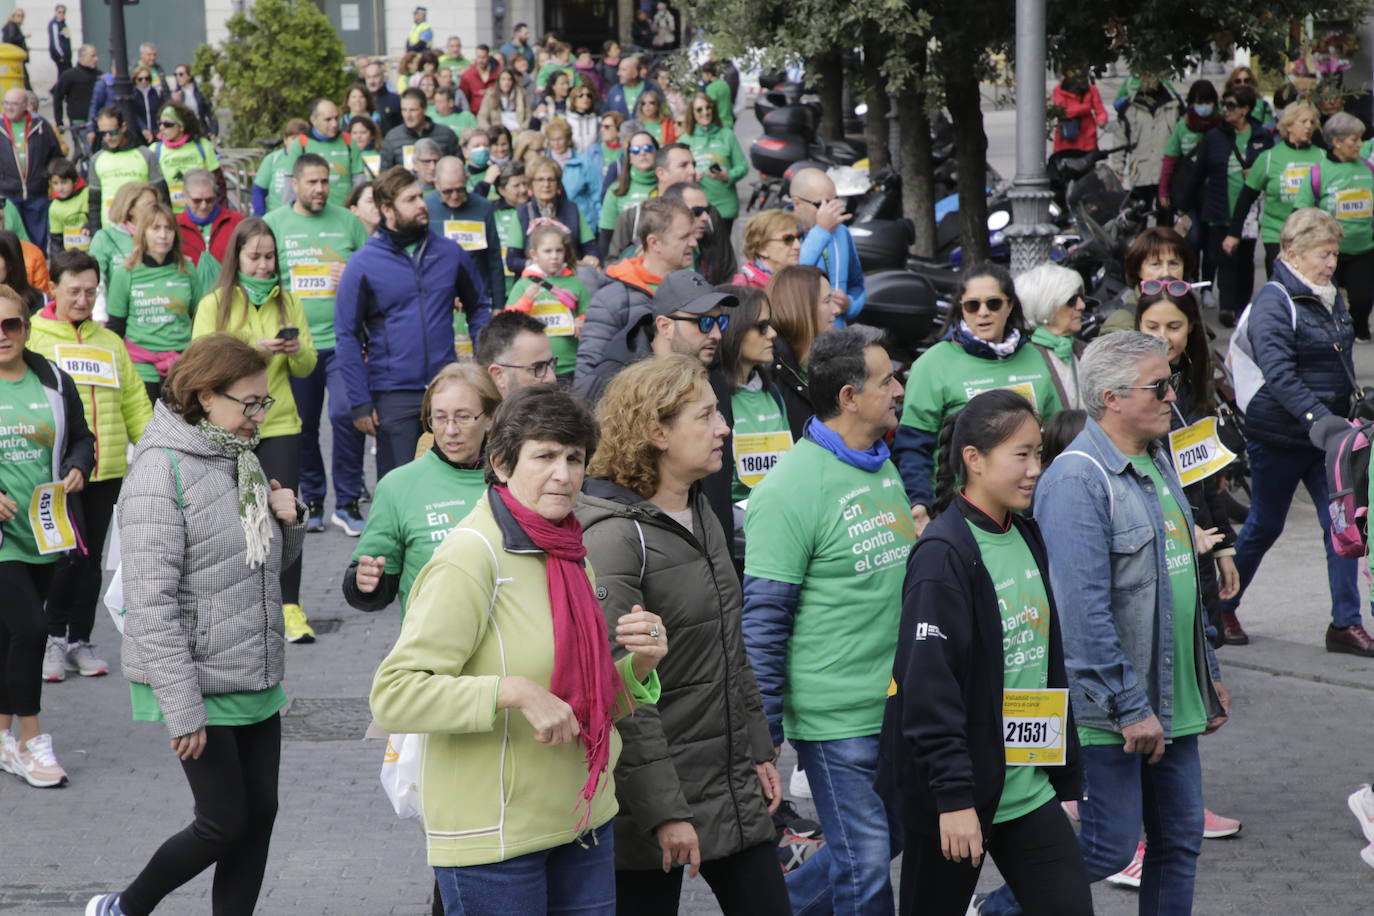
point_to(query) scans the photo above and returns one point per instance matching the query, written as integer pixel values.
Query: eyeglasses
(1175, 288)
(112, 133)
(790, 238)
(705, 322)
(538, 370)
(451, 192)
(1229, 106)
(168, 124)
(201, 201)
(143, 79)
(646, 148)
(698, 211)
(460, 420)
(13, 325)
(994, 305)
(815, 203)
(1160, 387)
(253, 408)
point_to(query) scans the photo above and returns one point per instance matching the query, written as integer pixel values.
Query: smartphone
(288, 333)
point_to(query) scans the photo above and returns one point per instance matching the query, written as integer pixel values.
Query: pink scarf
(161, 360)
(584, 676)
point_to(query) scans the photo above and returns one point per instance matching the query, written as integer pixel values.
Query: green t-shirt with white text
(159, 304)
(344, 158)
(760, 436)
(307, 246)
(27, 436)
(1280, 173)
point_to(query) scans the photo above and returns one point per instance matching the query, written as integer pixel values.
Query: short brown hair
(1151, 242)
(389, 185)
(655, 216)
(210, 363)
(649, 393)
(762, 227)
(539, 413)
(465, 373)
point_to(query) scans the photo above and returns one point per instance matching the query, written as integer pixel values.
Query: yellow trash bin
(12, 59)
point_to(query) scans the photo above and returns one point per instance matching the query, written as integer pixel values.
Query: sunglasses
(1230, 106)
(201, 201)
(697, 211)
(12, 325)
(112, 133)
(646, 148)
(168, 124)
(993, 304)
(1175, 288)
(1160, 387)
(143, 79)
(705, 322)
(790, 238)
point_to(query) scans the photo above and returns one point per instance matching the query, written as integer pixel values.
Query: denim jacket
(1115, 604)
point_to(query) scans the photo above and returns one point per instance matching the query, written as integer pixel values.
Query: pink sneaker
(1130, 875)
(1216, 827)
(38, 766)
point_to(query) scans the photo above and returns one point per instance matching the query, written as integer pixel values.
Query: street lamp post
(1031, 231)
(119, 49)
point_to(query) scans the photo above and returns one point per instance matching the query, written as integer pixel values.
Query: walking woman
(116, 407)
(250, 302)
(801, 308)
(114, 242)
(979, 578)
(719, 158)
(696, 781)
(1052, 297)
(418, 504)
(152, 297)
(45, 440)
(208, 532)
(502, 619)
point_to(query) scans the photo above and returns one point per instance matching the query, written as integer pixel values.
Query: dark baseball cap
(688, 291)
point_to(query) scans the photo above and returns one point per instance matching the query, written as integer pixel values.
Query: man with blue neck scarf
(827, 534)
(206, 224)
(345, 160)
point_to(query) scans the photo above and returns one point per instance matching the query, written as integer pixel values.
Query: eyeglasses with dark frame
(14, 326)
(1160, 387)
(250, 408)
(704, 322)
(538, 370)
(461, 420)
(994, 305)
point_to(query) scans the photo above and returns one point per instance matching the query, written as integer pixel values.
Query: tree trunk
(917, 168)
(830, 77)
(971, 156)
(625, 12)
(877, 130)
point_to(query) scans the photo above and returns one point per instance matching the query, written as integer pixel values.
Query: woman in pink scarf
(504, 667)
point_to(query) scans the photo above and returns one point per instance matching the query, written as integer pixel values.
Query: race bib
(471, 234)
(1034, 723)
(1293, 179)
(88, 365)
(1354, 203)
(76, 239)
(504, 266)
(556, 317)
(756, 453)
(1198, 451)
(372, 162)
(1025, 389)
(177, 191)
(408, 156)
(52, 526)
(313, 281)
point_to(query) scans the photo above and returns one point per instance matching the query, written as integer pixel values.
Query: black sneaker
(788, 818)
(314, 517)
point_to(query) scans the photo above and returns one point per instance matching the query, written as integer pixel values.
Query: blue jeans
(566, 879)
(850, 875)
(1274, 477)
(1120, 791)
(398, 428)
(34, 213)
(347, 460)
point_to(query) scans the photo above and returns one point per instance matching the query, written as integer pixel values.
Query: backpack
(1347, 481)
(1246, 376)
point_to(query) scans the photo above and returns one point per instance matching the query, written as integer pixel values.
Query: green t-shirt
(560, 321)
(643, 185)
(946, 377)
(541, 80)
(1180, 558)
(1235, 172)
(307, 246)
(456, 121)
(413, 510)
(19, 139)
(760, 436)
(176, 162)
(512, 236)
(109, 246)
(1182, 141)
(456, 64)
(718, 91)
(1347, 193)
(112, 169)
(159, 303)
(272, 177)
(632, 94)
(67, 220)
(248, 707)
(716, 145)
(27, 430)
(1025, 610)
(345, 162)
(846, 545)
(1280, 172)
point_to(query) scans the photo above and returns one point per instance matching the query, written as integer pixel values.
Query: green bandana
(1062, 346)
(252, 486)
(170, 114)
(258, 291)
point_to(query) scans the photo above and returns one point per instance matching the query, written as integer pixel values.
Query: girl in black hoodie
(978, 618)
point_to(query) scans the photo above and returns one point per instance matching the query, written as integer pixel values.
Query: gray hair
(837, 360)
(1110, 363)
(198, 177)
(1044, 289)
(428, 145)
(1341, 125)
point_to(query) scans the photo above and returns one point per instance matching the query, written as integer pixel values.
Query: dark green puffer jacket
(692, 756)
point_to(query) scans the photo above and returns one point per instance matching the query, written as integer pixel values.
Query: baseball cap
(688, 291)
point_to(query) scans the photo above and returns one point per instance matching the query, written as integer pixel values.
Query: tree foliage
(280, 55)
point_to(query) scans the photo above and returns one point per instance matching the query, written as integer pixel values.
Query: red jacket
(193, 241)
(1088, 110)
(474, 87)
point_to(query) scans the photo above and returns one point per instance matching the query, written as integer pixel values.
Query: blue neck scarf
(871, 459)
(214, 214)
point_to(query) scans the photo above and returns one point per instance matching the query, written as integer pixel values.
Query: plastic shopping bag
(401, 773)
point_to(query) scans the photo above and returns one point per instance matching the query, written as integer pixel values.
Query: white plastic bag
(114, 599)
(401, 773)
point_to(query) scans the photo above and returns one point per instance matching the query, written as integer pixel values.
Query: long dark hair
(622, 187)
(228, 283)
(1016, 319)
(1060, 430)
(984, 423)
(1195, 363)
(16, 274)
(743, 317)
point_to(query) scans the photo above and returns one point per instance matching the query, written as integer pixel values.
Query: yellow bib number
(77, 239)
(1294, 177)
(52, 526)
(408, 156)
(88, 365)
(1198, 451)
(471, 234)
(556, 317)
(1354, 203)
(1034, 723)
(313, 281)
(373, 162)
(177, 191)
(756, 453)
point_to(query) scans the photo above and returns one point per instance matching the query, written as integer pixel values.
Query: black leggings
(1235, 272)
(281, 461)
(1037, 854)
(1355, 274)
(76, 586)
(234, 784)
(23, 634)
(748, 883)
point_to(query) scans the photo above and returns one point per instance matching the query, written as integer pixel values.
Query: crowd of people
(650, 504)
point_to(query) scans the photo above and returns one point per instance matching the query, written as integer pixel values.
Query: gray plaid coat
(198, 621)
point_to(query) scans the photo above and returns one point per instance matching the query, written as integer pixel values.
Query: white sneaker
(1361, 803)
(9, 753)
(55, 660)
(82, 660)
(799, 786)
(39, 767)
(1368, 855)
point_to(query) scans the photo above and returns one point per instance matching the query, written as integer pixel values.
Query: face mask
(1203, 111)
(480, 157)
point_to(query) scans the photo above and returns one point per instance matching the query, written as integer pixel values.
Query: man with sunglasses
(27, 144)
(206, 224)
(467, 219)
(1143, 678)
(118, 162)
(828, 244)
